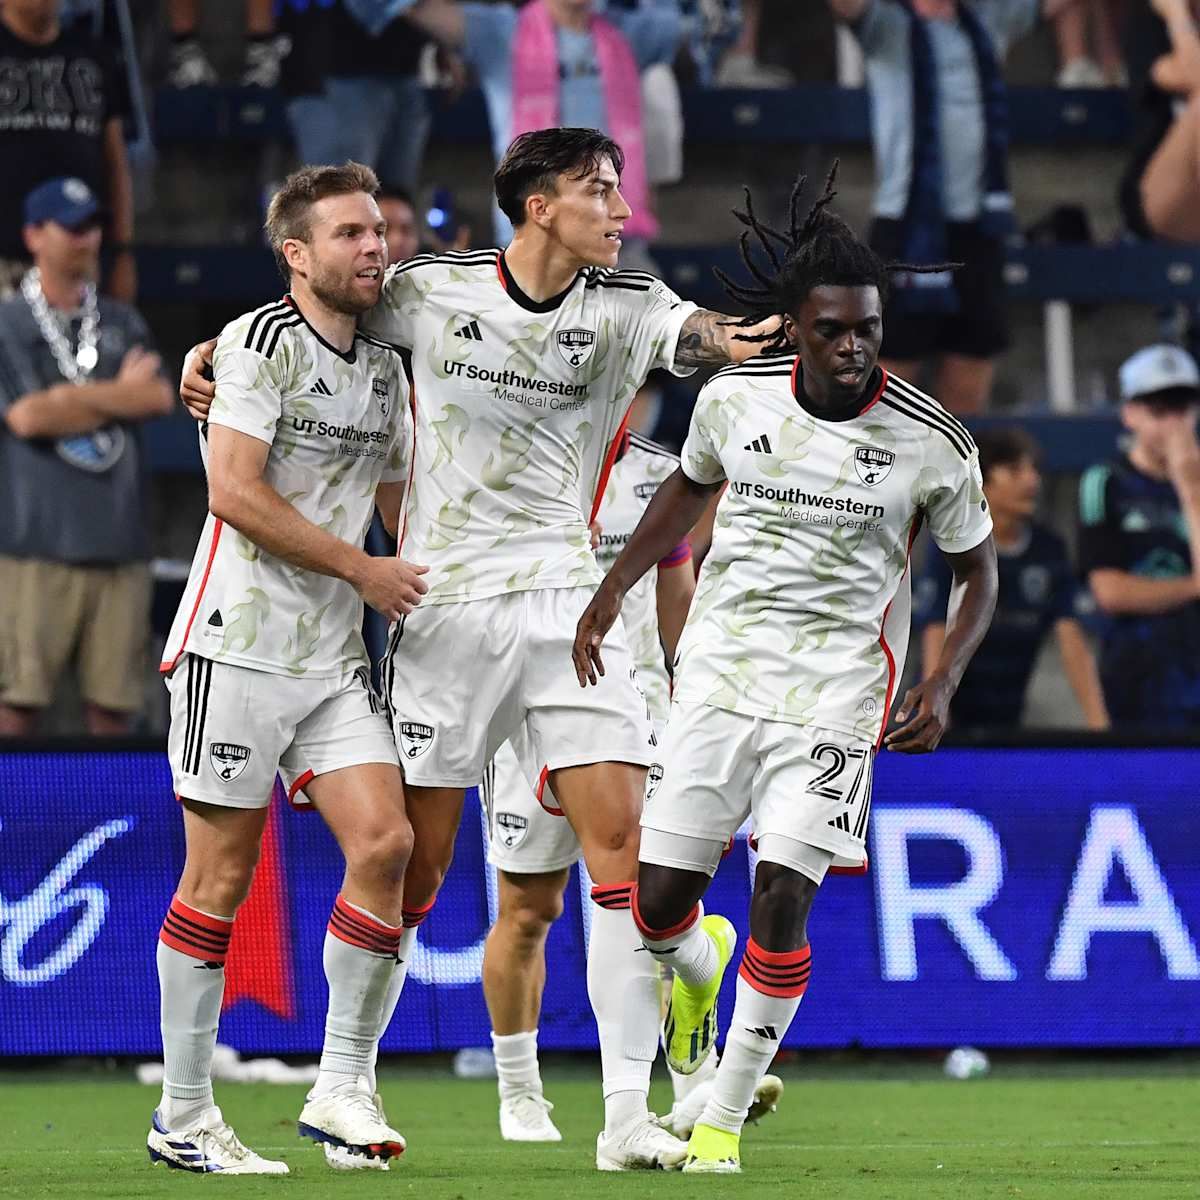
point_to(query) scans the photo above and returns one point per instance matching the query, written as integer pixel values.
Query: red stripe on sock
(780, 974)
(358, 929)
(661, 935)
(612, 895)
(414, 916)
(194, 933)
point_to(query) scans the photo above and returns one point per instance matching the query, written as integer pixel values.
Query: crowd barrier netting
(1016, 897)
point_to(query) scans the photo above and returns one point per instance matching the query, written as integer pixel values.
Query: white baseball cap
(1156, 369)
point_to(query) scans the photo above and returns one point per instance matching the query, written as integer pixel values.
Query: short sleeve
(652, 319)
(653, 33)
(1101, 543)
(249, 389)
(699, 457)
(392, 320)
(489, 30)
(954, 504)
(931, 596)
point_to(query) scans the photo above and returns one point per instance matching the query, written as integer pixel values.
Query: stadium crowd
(1116, 580)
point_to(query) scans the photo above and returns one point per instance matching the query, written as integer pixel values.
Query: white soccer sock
(191, 978)
(516, 1063)
(770, 987)
(404, 953)
(623, 989)
(360, 961)
(685, 947)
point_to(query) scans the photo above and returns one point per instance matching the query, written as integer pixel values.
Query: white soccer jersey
(338, 425)
(802, 608)
(636, 476)
(517, 407)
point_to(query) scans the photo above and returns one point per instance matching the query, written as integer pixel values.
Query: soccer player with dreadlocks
(795, 641)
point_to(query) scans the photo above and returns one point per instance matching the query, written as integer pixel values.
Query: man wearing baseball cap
(77, 373)
(1139, 546)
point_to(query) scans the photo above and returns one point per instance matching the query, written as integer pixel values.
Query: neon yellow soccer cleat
(690, 1026)
(713, 1151)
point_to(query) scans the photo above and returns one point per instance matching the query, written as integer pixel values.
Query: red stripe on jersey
(301, 780)
(913, 530)
(166, 665)
(500, 270)
(680, 555)
(882, 384)
(543, 780)
(609, 460)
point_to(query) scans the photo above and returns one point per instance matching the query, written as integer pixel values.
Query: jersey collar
(510, 285)
(870, 396)
(344, 355)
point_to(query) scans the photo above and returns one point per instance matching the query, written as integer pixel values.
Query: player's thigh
(571, 726)
(812, 790)
(230, 727)
(699, 797)
(450, 677)
(603, 803)
(41, 607)
(363, 806)
(113, 640)
(528, 832)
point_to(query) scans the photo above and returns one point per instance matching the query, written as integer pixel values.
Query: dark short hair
(1178, 399)
(289, 215)
(1003, 446)
(534, 161)
(393, 191)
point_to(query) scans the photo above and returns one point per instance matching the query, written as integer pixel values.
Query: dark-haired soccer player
(524, 363)
(789, 660)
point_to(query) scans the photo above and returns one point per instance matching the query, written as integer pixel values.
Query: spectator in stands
(1139, 546)
(741, 66)
(189, 65)
(939, 124)
(61, 103)
(1160, 188)
(1078, 67)
(76, 376)
(554, 62)
(1037, 595)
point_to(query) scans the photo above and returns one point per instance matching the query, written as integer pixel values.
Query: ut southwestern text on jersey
(815, 509)
(521, 389)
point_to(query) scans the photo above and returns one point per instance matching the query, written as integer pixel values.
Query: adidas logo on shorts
(415, 738)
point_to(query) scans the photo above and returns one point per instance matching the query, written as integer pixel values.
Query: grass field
(885, 1129)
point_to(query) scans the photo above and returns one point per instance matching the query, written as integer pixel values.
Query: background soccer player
(794, 642)
(267, 670)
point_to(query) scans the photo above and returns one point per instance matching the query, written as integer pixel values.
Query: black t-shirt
(55, 102)
(1146, 41)
(1149, 664)
(1037, 588)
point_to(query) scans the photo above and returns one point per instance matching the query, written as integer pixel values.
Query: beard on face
(338, 292)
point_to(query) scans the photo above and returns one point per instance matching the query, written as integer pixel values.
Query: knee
(530, 919)
(219, 885)
(383, 852)
(658, 904)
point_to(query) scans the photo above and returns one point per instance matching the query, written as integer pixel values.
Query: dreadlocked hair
(818, 249)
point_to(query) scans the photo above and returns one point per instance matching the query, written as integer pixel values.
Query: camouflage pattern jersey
(802, 607)
(337, 425)
(517, 407)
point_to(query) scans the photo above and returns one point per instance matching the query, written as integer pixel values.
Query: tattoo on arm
(703, 340)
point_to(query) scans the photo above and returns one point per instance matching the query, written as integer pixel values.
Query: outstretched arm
(676, 507)
(709, 339)
(924, 712)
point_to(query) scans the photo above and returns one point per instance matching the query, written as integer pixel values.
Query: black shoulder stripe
(259, 317)
(757, 363)
(622, 284)
(735, 374)
(470, 258)
(929, 405)
(931, 417)
(651, 447)
(935, 413)
(265, 329)
(621, 273)
(951, 437)
(278, 332)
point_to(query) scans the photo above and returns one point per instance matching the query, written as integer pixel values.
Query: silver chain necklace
(74, 367)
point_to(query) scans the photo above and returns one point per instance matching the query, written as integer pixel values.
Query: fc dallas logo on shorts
(511, 829)
(654, 777)
(414, 738)
(576, 345)
(873, 464)
(228, 759)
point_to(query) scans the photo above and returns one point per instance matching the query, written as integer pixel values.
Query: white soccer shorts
(233, 728)
(797, 783)
(461, 679)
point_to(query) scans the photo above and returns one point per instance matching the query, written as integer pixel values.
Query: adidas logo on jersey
(470, 331)
(321, 388)
(760, 445)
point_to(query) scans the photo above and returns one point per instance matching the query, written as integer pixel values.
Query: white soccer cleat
(681, 1120)
(525, 1117)
(206, 1147)
(766, 1099)
(352, 1121)
(642, 1146)
(340, 1158)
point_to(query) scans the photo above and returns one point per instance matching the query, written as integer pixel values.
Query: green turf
(885, 1130)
